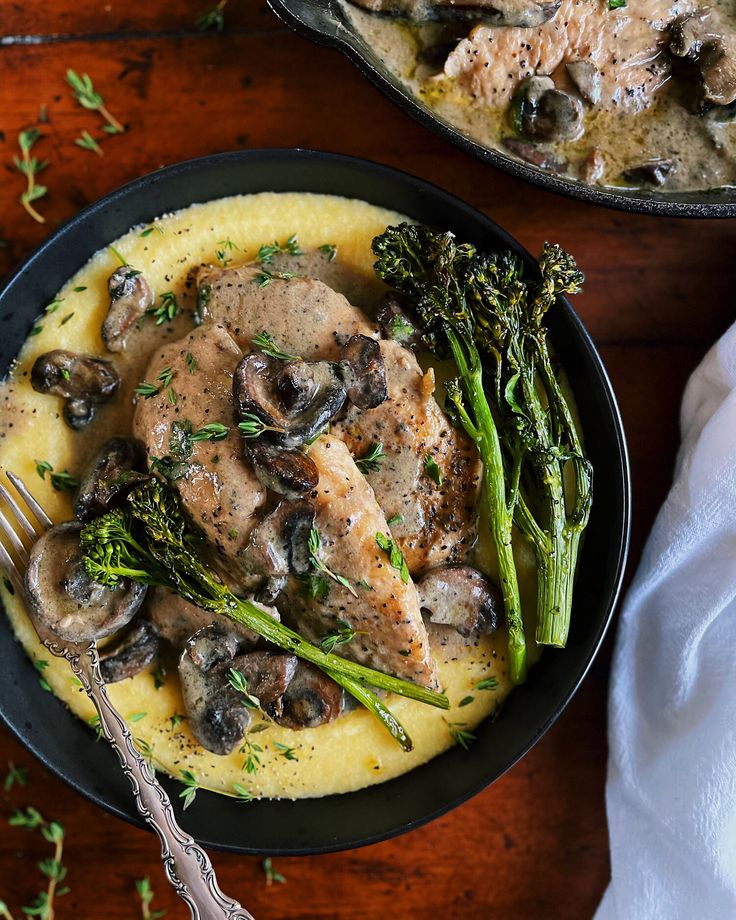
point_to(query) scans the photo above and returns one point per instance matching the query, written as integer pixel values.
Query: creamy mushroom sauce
(354, 751)
(702, 148)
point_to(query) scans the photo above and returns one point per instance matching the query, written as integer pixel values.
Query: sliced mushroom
(394, 318)
(460, 596)
(294, 398)
(653, 172)
(698, 38)
(311, 699)
(65, 600)
(268, 675)
(278, 544)
(364, 372)
(130, 297)
(215, 712)
(592, 167)
(286, 472)
(110, 477)
(129, 655)
(84, 381)
(536, 156)
(586, 76)
(542, 112)
(525, 13)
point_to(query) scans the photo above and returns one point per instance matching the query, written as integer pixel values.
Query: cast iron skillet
(66, 745)
(326, 22)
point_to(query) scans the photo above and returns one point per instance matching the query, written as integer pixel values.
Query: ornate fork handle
(186, 864)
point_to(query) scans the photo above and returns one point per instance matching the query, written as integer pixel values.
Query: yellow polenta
(353, 751)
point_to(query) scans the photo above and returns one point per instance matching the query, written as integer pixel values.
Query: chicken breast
(431, 508)
(626, 46)
(305, 316)
(219, 492)
(391, 635)
(308, 318)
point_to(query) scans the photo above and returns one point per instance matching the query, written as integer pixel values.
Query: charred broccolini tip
(484, 312)
(150, 541)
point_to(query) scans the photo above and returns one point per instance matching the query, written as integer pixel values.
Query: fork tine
(8, 566)
(20, 516)
(20, 487)
(16, 542)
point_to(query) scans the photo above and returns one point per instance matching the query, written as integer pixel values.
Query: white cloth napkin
(671, 794)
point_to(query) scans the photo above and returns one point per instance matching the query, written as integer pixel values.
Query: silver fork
(186, 864)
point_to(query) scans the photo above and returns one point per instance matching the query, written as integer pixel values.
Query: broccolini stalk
(486, 305)
(149, 541)
(430, 269)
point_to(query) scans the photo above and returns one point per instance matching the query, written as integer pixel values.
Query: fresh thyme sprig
(147, 390)
(242, 794)
(270, 872)
(341, 635)
(189, 792)
(51, 868)
(60, 482)
(268, 250)
(15, 775)
(89, 98)
(166, 310)
(87, 142)
(285, 751)
(213, 431)
(460, 734)
(40, 664)
(372, 459)
(314, 546)
(265, 277)
(395, 556)
(224, 253)
(30, 167)
(145, 893)
(213, 19)
(239, 683)
(253, 427)
(489, 683)
(252, 751)
(266, 343)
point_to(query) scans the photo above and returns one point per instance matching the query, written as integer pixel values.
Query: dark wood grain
(658, 292)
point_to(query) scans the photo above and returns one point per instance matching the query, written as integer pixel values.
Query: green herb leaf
(189, 792)
(372, 460)
(329, 250)
(243, 795)
(314, 545)
(270, 872)
(87, 142)
(266, 343)
(213, 431)
(395, 556)
(286, 752)
(60, 482)
(489, 683)
(86, 95)
(432, 470)
(213, 19)
(239, 683)
(166, 310)
(341, 635)
(15, 775)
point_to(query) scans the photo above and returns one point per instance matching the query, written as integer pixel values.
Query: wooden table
(658, 292)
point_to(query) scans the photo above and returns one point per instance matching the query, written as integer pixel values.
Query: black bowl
(326, 22)
(66, 745)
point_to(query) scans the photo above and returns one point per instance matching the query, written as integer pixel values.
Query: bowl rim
(303, 16)
(620, 537)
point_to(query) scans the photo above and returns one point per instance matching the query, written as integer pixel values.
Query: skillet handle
(186, 864)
